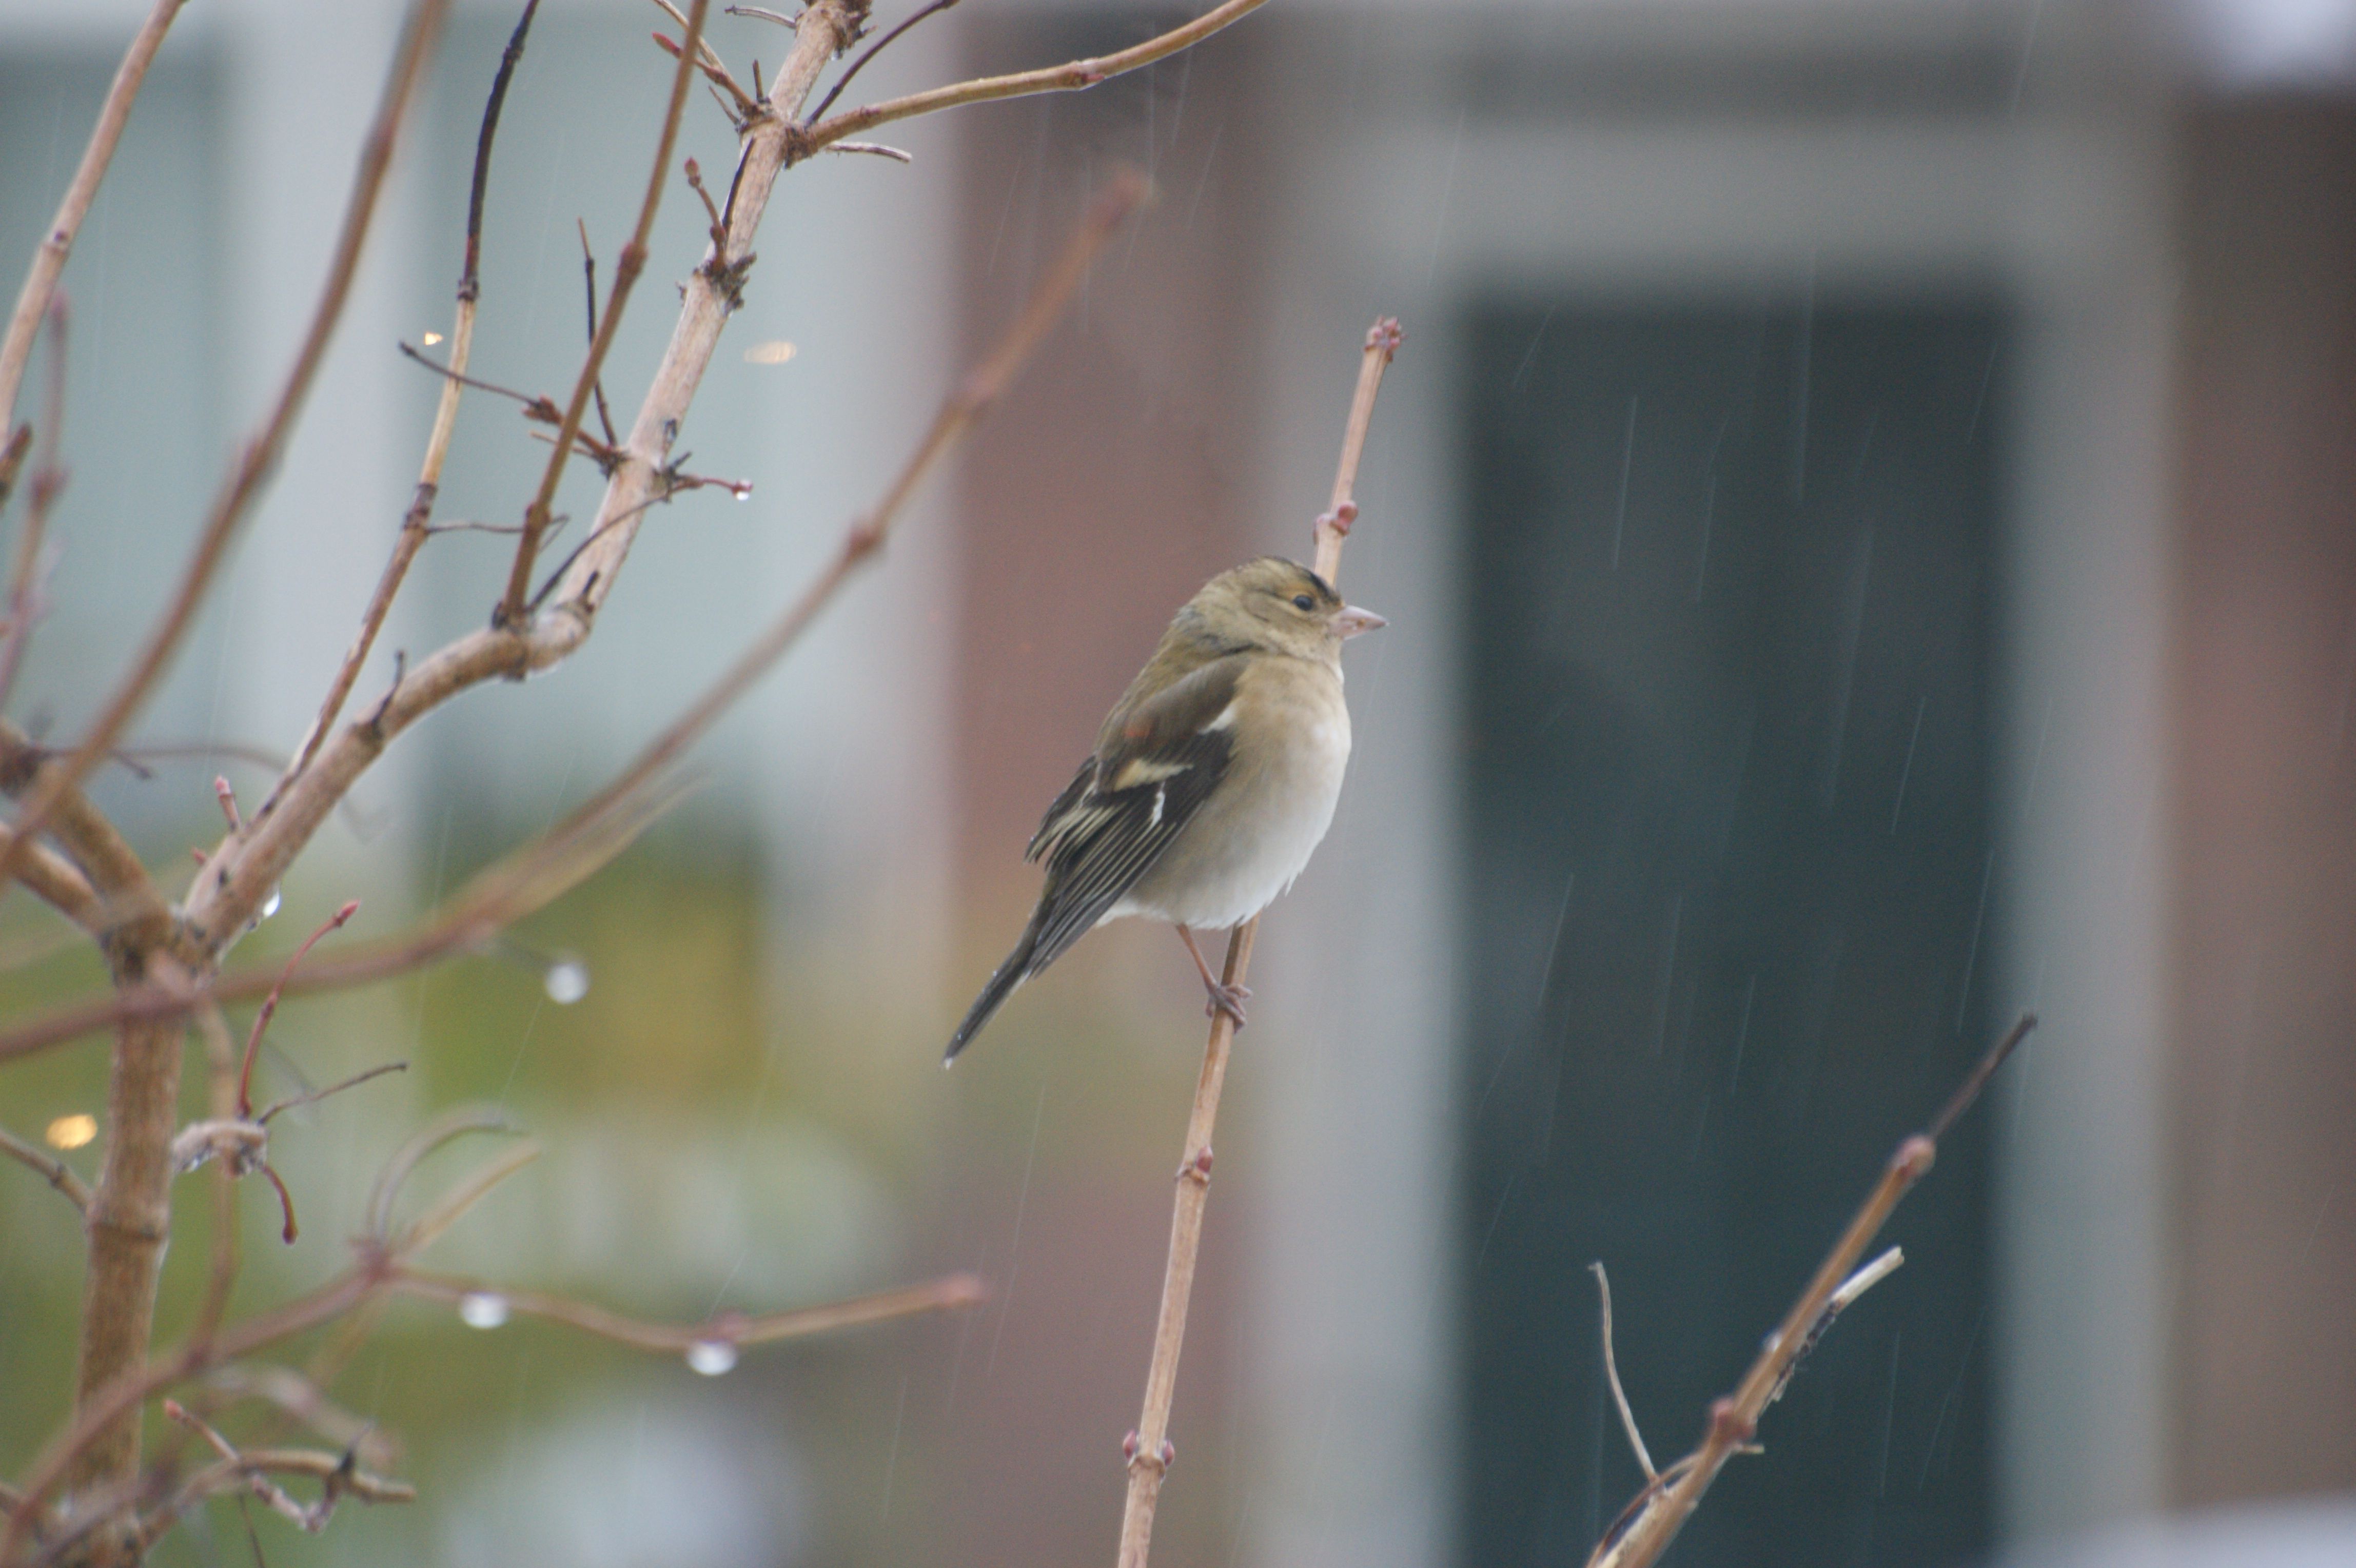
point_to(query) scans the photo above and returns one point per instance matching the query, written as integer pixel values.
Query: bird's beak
(1350, 620)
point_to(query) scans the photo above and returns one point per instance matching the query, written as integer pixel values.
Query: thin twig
(715, 70)
(874, 149)
(414, 524)
(58, 1173)
(115, 1402)
(932, 9)
(1150, 1451)
(259, 458)
(57, 239)
(12, 458)
(382, 1267)
(526, 879)
(301, 1400)
(1734, 1419)
(1611, 1372)
(627, 268)
(252, 1470)
(967, 404)
(313, 1096)
(536, 405)
(1069, 77)
(728, 1328)
(49, 483)
(123, 907)
(55, 880)
(334, 922)
(242, 871)
(589, 290)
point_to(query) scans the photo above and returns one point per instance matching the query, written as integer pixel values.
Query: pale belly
(1249, 843)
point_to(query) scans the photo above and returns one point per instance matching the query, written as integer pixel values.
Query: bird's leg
(1227, 999)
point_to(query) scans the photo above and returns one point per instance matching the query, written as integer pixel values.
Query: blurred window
(1730, 572)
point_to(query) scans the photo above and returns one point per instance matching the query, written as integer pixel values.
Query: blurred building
(1863, 512)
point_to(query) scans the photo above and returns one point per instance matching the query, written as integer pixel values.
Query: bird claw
(1227, 999)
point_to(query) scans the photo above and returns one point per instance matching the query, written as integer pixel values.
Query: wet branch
(416, 524)
(57, 240)
(55, 1171)
(1149, 1448)
(1652, 1520)
(259, 458)
(727, 1331)
(627, 268)
(1070, 77)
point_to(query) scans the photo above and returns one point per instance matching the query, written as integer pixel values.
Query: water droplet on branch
(712, 1357)
(567, 980)
(482, 1309)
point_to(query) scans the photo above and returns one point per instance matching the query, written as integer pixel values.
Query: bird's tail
(1009, 975)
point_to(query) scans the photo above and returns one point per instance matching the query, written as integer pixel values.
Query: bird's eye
(1303, 602)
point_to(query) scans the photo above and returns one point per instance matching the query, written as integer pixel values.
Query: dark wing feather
(1151, 773)
(1129, 801)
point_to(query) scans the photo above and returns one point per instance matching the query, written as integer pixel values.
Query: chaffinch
(1212, 778)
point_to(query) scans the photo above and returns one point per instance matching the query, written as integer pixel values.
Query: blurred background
(1863, 513)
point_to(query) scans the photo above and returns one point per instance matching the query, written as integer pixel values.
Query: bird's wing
(1129, 800)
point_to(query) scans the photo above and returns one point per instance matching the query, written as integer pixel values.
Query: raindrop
(567, 980)
(712, 1357)
(270, 905)
(482, 1309)
(744, 492)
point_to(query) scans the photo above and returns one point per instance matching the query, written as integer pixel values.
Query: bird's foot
(1227, 999)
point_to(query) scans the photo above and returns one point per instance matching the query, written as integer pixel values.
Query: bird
(1212, 782)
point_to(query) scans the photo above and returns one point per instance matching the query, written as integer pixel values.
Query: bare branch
(972, 398)
(338, 1474)
(260, 457)
(731, 1329)
(334, 922)
(455, 1122)
(242, 871)
(56, 883)
(1652, 1522)
(49, 483)
(453, 1206)
(383, 1268)
(715, 70)
(1150, 1451)
(1067, 78)
(414, 525)
(301, 1399)
(12, 455)
(55, 1171)
(128, 915)
(313, 1096)
(57, 239)
(1612, 1372)
(627, 268)
(931, 10)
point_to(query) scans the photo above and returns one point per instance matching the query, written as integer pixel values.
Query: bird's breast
(1272, 808)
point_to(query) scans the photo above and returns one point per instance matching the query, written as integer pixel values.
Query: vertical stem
(1149, 1459)
(1151, 1462)
(129, 1218)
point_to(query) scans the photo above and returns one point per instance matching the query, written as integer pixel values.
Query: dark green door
(1730, 583)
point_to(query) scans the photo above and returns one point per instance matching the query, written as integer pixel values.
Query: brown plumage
(1213, 777)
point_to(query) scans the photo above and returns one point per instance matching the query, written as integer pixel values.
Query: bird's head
(1280, 606)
